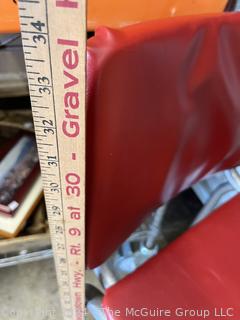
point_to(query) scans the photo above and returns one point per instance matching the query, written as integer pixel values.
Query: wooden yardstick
(54, 43)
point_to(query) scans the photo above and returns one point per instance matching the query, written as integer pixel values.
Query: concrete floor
(29, 291)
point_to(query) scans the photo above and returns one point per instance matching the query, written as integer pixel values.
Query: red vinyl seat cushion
(198, 271)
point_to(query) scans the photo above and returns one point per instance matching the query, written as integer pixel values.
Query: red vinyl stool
(163, 112)
(199, 272)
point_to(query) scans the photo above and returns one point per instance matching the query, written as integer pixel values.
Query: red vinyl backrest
(163, 112)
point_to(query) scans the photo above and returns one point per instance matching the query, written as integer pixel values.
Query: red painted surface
(163, 112)
(198, 271)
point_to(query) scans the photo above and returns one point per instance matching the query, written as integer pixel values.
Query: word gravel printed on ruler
(54, 44)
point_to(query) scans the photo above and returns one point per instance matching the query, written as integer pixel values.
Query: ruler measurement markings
(52, 199)
(47, 127)
(60, 182)
(35, 60)
(28, 46)
(42, 151)
(39, 85)
(39, 107)
(46, 144)
(34, 32)
(29, 1)
(26, 17)
(60, 228)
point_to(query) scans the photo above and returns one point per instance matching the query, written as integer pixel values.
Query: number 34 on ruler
(54, 44)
